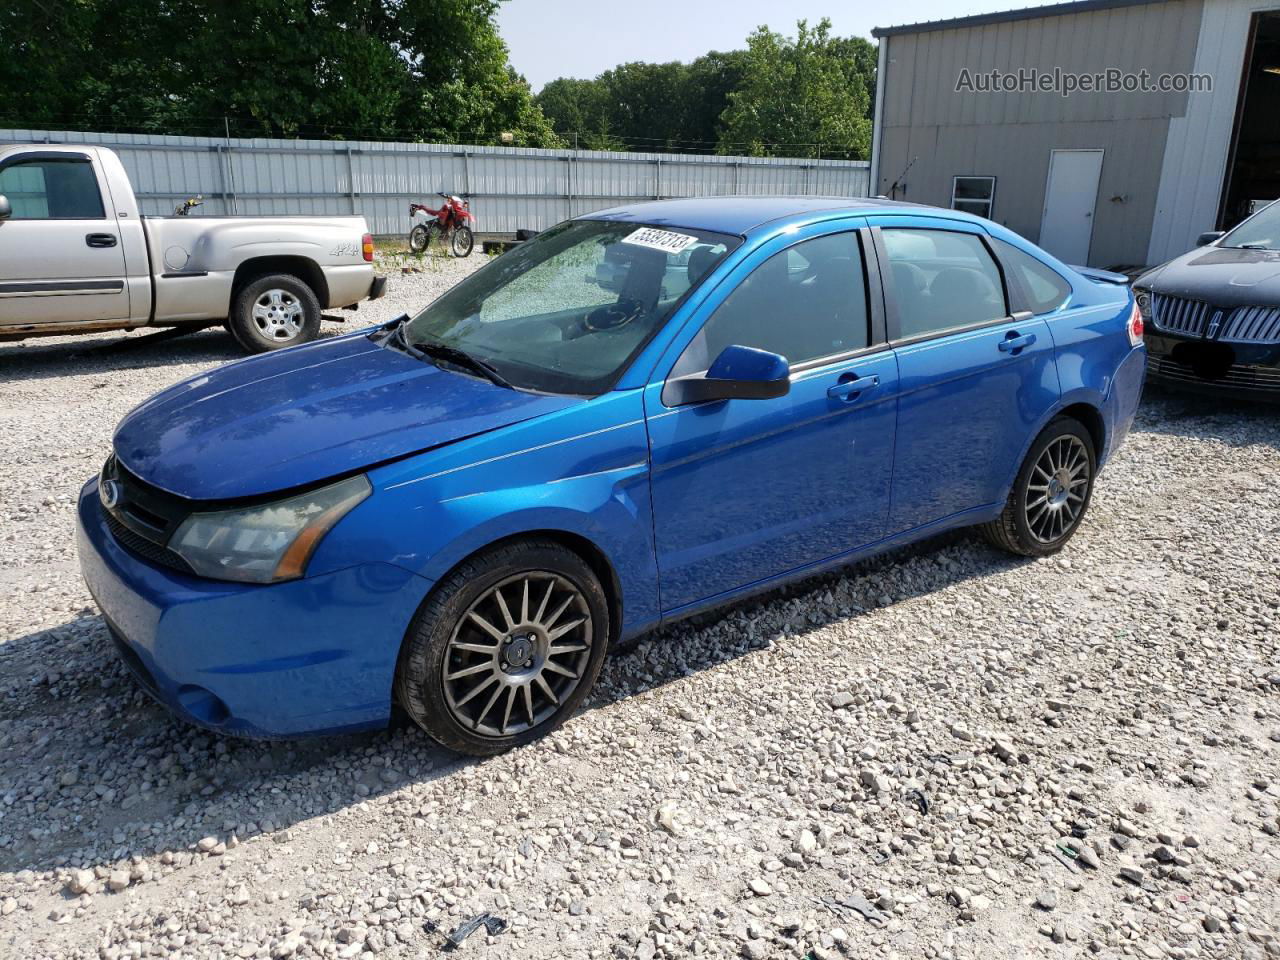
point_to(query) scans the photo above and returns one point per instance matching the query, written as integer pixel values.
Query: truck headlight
(268, 542)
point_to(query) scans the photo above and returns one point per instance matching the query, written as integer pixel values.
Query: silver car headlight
(268, 542)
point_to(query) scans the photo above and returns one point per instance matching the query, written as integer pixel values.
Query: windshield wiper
(1256, 245)
(458, 357)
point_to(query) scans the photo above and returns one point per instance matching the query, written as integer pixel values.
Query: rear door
(60, 254)
(974, 379)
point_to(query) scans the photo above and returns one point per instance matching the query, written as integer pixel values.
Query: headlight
(268, 542)
(1143, 297)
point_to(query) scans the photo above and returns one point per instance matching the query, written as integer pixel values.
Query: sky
(583, 38)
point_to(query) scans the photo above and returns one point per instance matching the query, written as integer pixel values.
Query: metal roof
(1025, 13)
(738, 215)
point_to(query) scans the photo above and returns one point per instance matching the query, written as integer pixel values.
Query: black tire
(445, 619)
(297, 322)
(1031, 525)
(419, 238)
(463, 242)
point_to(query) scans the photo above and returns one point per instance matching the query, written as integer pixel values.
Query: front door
(1070, 195)
(745, 490)
(974, 380)
(60, 254)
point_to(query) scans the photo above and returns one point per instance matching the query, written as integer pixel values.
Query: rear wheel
(274, 311)
(505, 649)
(1051, 493)
(463, 241)
(419, 238)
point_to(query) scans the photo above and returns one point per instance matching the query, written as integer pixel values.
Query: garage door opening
(1253, 170)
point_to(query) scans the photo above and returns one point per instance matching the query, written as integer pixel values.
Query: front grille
(1179, 315)
(144, 517)
(1237, 376)
(1252, 325)
(1196, 318)
(154, 552)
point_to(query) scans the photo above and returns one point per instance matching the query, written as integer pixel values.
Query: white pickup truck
(76, 257)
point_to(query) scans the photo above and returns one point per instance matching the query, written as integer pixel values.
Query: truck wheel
(505, 649)
(274, 311)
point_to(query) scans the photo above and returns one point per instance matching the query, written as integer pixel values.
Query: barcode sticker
(664, 240)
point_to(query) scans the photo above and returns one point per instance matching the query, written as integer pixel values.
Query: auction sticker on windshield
(664, 240)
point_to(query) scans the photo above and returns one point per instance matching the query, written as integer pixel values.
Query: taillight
(1135, 325)
(366, 243)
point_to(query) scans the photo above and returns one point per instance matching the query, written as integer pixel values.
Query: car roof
(739, 215)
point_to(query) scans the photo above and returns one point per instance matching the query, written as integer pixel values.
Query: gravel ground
(880, 763)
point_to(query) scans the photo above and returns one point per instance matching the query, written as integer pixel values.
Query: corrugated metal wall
(1010, 136)
(510, 187)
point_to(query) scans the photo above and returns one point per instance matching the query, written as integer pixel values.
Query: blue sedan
(641, 414)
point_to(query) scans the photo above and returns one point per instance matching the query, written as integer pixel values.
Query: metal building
(1180, 135)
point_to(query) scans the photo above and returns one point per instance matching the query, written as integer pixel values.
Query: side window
(52, 190)
(1045, 289)
(805, 302)
(942, 280)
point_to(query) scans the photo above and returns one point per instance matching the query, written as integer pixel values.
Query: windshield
(566, 311)
(1259, 232)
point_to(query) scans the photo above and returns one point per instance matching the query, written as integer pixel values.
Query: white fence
(509, 187)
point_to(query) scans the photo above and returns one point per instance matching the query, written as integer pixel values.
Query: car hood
(303, 415)
(1224, 276)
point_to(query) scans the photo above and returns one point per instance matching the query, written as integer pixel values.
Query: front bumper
(1245, 370)
(308, 656)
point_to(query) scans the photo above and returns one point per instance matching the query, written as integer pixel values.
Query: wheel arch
(304, 268)
(1079, 406)
(590, 552)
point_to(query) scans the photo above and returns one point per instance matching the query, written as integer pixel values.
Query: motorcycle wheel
(463, 242)
(418, 239)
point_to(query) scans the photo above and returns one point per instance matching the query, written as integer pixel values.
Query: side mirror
(6, 211)
(739, 373)
(1208, 237)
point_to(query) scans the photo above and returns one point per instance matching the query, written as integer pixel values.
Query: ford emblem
(109, 493)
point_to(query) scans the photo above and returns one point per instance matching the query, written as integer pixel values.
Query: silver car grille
(1196, 318)
(1178, 315)
(1252, 325)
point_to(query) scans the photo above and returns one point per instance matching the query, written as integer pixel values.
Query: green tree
(578, 111)
(412, 69)
(797, 98)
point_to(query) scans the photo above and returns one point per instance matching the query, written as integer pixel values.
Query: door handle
(851, 386)
(1012, 343)
(100, 239)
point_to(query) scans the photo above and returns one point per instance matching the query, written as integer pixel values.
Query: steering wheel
(613, 316)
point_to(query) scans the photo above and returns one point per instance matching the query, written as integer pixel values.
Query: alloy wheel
(1057, 488)
(278, 314)
(517, 654)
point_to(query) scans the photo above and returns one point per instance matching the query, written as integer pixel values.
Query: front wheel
(463, 241)
(1051, 493)
(505, 649)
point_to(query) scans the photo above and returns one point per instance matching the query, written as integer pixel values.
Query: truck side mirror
(6, 211)
(1208, 237)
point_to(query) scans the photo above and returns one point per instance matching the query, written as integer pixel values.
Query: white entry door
(1069, 199)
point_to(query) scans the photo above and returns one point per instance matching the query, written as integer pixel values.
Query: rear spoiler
(1103, 276)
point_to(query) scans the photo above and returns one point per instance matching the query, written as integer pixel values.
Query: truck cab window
(52, 190)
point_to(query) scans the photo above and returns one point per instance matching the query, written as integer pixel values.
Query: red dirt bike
(447, 225)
